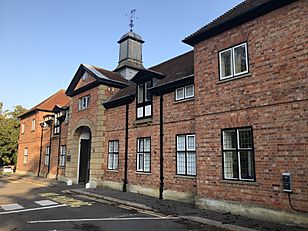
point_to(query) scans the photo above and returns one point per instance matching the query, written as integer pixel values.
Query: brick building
(38, 145)
(218, 126)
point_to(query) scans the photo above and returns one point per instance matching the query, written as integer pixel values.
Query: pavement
(168, 208)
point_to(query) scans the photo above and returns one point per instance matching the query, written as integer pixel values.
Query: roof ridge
(44, 101)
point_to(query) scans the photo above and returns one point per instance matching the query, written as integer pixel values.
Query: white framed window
(62, 160)
(66, 116)
(33, 125)
(22, 128)
(238, 158)
(233, 61)
(144, 100)
(185, 92)
(113, 155)
(56, 129)
(84, 102)
(144, 155)
(47, 154)
(186, 155)
(25, 161)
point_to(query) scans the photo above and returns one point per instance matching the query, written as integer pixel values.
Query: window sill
(253, 183)
(143, 121)
(112, 170)
(184, 100)
(234, 78)
(143, 173)
(84, 109)
(185, 177)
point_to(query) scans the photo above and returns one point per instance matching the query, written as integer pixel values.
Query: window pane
(229, 139)
(111, 146)
(116, 161)
(147, 162)
(191, 142)
(147, 145)
(230, 165)
(110, 161)
(180, 143)
(225, 64)
(116, 146)
(246, 163)
(139, 112)
(245, 138)
(179, 93)
(240, 59)
(180, 163)
(147, 92)
(140, 161)
(148, 110)
(140, 93)
(189, 91)
(140, 145)
(191, 163)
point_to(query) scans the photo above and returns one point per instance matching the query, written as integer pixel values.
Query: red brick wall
(273, 100)
(32, 141)
(178, 119)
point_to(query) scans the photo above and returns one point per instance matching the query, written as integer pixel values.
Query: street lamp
(48, 119)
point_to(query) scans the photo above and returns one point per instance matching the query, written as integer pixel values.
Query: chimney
(130, 55)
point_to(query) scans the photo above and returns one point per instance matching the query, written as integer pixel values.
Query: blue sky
(43, 42)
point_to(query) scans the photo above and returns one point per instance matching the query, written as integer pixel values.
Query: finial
(132, 16)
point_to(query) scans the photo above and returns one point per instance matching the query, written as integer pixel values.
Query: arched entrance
(83, 170)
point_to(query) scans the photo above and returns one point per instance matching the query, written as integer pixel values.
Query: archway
(83, 170)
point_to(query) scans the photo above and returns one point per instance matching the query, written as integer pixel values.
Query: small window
(25, 156)
(33, 125)
(144, 100)
(47, 155)
(56, 129)
(233, 61)
(185, 92)
(62, 160)
(113, 155)
(84, 102)
(22, 128)
(238, 158)
(186, 155)
(144, 155)
(66, 116)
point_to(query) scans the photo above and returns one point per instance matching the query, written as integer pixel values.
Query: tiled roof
(239, 14)
(173, 69)
(109, 74)
(59, 98)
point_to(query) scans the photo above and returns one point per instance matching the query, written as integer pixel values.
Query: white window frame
(56, 130)
(62, 161)
(143, 103)
(22, 128)
(186, 151)
(33, 122)
(47, 154)
(238, 150)
(184, 89)
(25, 160)
(83, 102)
(142, 154)
(113, 155)
(232, 62)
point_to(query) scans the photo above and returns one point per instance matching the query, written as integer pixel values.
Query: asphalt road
(31, 206)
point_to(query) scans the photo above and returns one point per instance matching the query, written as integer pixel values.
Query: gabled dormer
(145, 79)
(88, 77)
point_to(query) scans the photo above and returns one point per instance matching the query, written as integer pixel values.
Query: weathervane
(132, 16)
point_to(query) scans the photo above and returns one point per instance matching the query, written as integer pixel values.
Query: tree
(9, 131)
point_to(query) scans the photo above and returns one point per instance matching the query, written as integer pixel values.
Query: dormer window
(56, 125)
(144, 100)
(84, 102)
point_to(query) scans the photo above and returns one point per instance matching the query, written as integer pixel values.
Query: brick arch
(83, 123)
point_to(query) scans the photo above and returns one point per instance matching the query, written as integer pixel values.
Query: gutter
(161, 136)
(125, 181)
